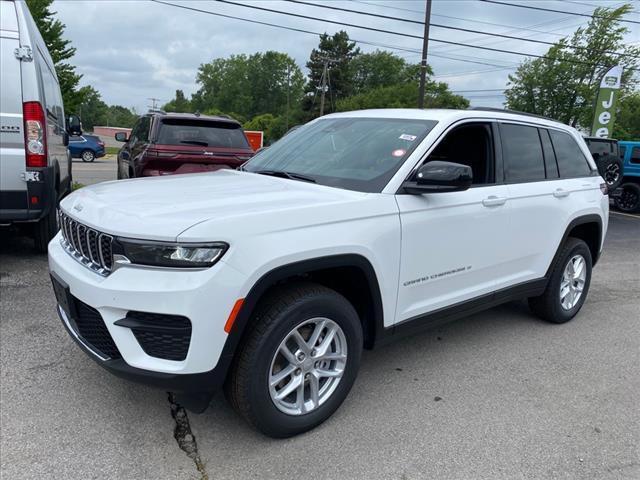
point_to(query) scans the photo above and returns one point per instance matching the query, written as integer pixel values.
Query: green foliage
(248, 85)
(179, 104)
(339, 51)
(627, 126)
(381, 69)
(119, 116)
(404, 95)
(273, 127)
(93, 110)
(52, 31)
(564, 85)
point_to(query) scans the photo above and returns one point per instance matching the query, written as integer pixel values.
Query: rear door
(12, 155)
(549, 179)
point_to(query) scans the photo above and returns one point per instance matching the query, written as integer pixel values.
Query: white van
(35, 165)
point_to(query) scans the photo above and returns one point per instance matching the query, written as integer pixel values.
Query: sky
(133, 50)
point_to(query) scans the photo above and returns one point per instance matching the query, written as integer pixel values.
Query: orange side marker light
(233, 315)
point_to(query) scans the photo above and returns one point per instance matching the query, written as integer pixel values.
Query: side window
(571, 160)
(635, 155)
(469, 144)
(143, 133)
(524, 161)
(550, 164)
(135, 131)
(623, 151)
(52, 100)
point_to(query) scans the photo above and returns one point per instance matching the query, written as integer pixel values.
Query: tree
(179, 104)
(60, 49)
(379, 69)
(403, 95)
(337, 51)
(627, 126)
(564, 85)
(249, 85)
(93, 111)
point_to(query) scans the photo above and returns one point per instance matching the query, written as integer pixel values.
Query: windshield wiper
(195, 142)
(283, 174)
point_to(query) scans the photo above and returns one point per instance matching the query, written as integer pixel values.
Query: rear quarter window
(635, 155)
(201, 133)
(571, 161)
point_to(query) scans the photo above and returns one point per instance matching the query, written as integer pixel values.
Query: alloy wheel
(573, 281)
(307, 366)
(612, 174)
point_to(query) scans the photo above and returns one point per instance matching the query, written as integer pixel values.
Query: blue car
(86, 147)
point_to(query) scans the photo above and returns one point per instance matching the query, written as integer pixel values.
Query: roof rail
(156, 110)
(504, 110)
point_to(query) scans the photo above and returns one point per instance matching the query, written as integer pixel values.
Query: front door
(454, 244)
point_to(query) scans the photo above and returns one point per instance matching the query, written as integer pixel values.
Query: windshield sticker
(406, 136)
(399, 152)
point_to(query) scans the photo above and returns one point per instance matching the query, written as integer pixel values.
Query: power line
(300, 30)
(380, 30)
(447, 27)
(512, 27)
(531, 7)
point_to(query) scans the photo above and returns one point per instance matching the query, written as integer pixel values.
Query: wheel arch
(587, 228)
(351, 275)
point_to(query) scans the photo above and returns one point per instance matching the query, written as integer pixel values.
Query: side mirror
(437, 176)
(121, 137)
(74, 126)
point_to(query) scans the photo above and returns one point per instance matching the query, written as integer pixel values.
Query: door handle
(561, 192)
(493, 201)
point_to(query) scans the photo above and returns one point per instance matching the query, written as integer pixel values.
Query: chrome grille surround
(89, 247)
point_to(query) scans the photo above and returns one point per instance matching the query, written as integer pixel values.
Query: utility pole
(154, 102)
(425, 49)
(324, 85)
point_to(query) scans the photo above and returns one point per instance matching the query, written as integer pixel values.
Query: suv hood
(161, 208)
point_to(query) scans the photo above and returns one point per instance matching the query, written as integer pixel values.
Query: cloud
(132, 50)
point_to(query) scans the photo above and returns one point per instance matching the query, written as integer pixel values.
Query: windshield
(203, 133)
(353, 153)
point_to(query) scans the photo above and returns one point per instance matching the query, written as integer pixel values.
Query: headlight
(177, 255)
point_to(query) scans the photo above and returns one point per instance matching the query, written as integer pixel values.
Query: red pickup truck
(171, 143)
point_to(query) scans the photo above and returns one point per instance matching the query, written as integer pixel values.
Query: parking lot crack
(185, 438)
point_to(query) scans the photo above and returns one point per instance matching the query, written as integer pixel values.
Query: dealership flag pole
(605, 111)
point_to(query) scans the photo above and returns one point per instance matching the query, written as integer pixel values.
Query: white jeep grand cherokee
(352, 230)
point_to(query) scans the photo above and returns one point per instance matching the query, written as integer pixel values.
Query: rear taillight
(35, 134)
(604, 188)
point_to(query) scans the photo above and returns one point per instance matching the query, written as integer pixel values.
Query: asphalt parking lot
(499, 395)
(100, 170)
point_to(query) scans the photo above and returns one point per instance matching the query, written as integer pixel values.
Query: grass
(112, 150)
(76, 186)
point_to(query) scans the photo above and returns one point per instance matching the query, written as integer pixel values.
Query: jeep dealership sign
(605, 112)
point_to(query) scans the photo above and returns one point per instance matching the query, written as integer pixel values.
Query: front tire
(299, 361)
(568, 284)
(87, 156)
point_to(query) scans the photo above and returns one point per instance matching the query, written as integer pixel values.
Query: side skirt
(448, 314)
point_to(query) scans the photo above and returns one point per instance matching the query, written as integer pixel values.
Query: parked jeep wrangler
(352, 230)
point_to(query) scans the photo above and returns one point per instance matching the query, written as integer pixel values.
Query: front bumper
(205, 297)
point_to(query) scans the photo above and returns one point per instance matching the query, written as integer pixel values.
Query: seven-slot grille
(88, 246)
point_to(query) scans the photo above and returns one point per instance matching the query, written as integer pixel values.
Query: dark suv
(170, 143)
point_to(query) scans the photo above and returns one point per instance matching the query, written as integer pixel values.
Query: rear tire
(629, 200)
(568, 284)
(610, 169)
(252, 387)
(88, 156)
(45, 230)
